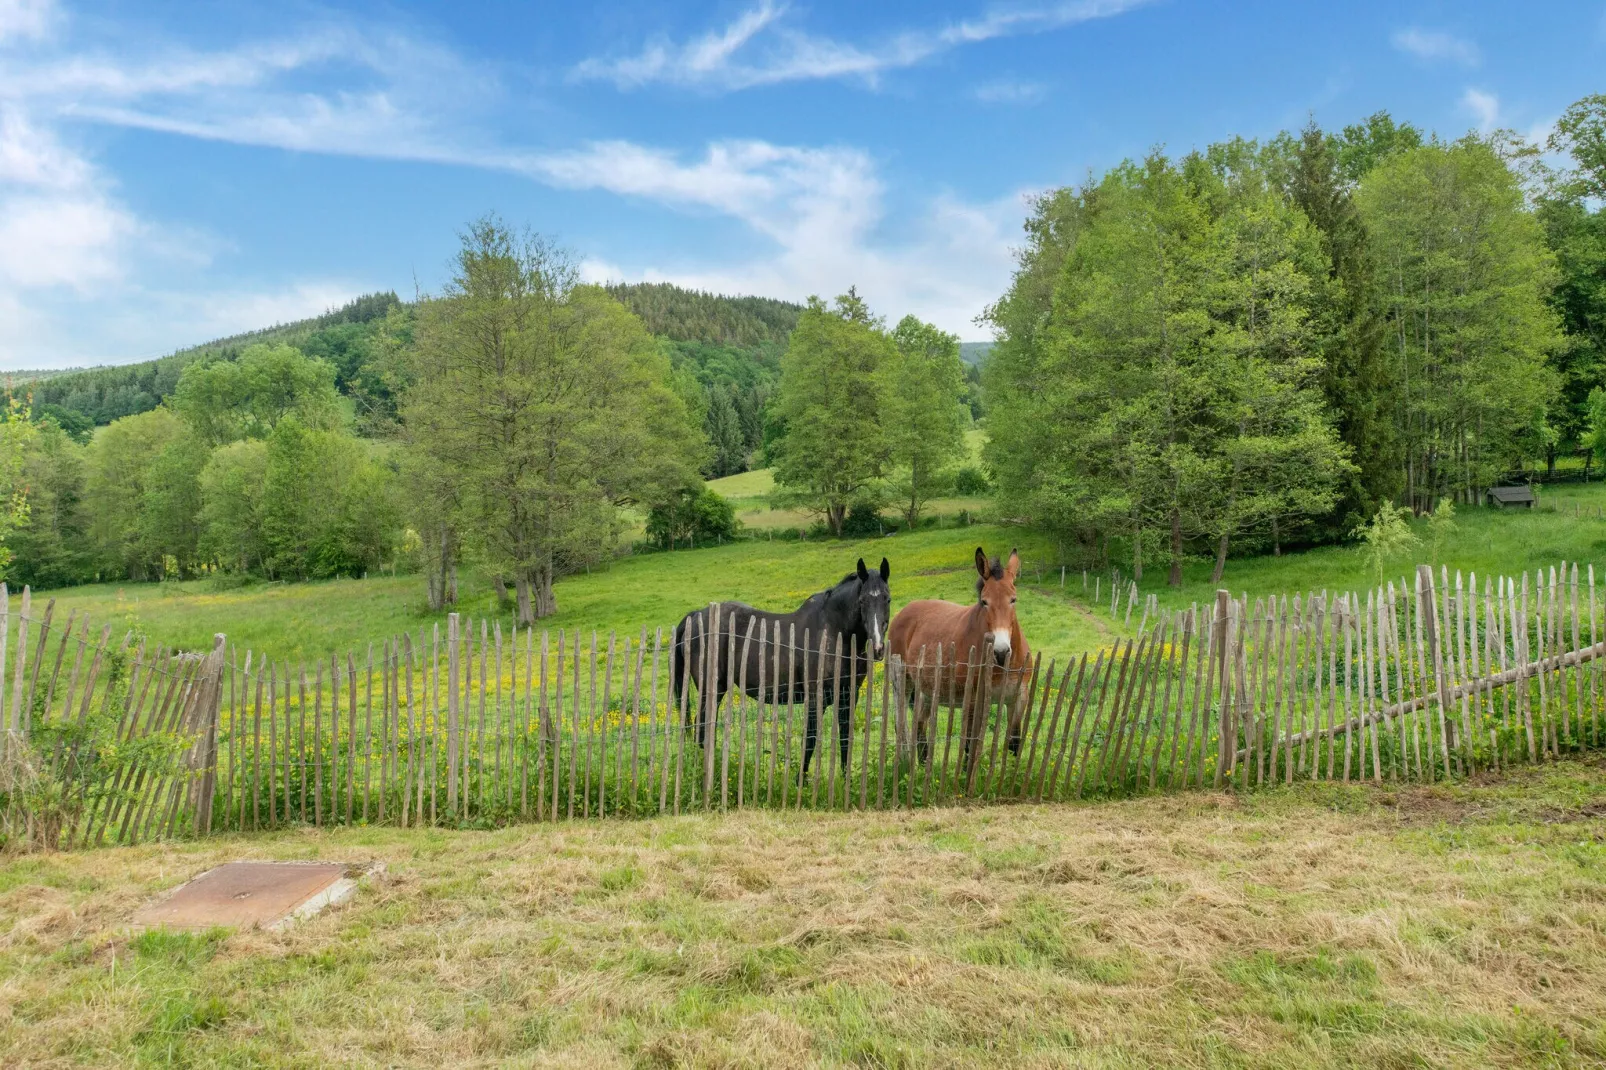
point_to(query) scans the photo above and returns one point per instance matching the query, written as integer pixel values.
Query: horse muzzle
(878, 651)
(1001, 656)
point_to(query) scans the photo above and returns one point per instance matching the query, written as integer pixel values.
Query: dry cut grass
(1314, 926)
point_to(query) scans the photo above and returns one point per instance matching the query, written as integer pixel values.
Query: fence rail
(467, 726)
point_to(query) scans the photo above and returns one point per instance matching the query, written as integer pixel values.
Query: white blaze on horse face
(1001, 642)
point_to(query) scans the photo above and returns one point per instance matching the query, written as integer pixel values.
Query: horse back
(931, 624)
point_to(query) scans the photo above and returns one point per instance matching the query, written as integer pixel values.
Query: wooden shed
(1505, 497)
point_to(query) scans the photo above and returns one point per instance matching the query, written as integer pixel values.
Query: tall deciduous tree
(835, 449)
(225, 400)
(1463, 275)
(550, 405)
(1348, 329)
(1170, 393)
(921, 381)
(17, 435)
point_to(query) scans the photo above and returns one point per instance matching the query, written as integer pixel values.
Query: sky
(172, 173)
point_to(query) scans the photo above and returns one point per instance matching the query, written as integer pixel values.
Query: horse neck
(844, 599)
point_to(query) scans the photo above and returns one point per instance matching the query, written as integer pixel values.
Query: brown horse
(927, 632)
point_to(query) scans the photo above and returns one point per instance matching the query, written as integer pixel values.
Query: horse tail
(678, 658)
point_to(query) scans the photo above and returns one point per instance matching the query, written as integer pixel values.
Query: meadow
(305, 620)
(1319, 926)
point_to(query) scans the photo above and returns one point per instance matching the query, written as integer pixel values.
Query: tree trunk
(836, 515)
(1276, 539)
(1221, 559)
(1175, 577)
(546, 602)
(501, 590)
(1137, 556)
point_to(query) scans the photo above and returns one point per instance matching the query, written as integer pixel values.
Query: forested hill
(84, 398)
(696, 316)
(730, 341)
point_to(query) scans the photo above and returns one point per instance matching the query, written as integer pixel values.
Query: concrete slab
(245, 895)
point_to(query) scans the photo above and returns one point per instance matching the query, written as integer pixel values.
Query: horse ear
(1013, 568)
(886, 570)
(981, 562)
(864, 573)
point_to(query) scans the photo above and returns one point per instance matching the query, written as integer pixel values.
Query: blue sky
(174, 172)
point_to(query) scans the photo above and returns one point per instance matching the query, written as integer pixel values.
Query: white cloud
(26, 19)
(1011, 92)
(822, 210)
(58, 226)
(818, 211)
(1436, 45)
(1485, 107)
(758, 48)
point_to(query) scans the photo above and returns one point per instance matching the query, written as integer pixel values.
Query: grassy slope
(304, 620)
(1315, 926)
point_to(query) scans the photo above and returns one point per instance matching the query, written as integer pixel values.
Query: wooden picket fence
(466, 726)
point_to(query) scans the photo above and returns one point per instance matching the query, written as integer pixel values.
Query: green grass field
(305, 620)
(1318, 926)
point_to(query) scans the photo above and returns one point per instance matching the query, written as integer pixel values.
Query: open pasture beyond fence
(111, 739)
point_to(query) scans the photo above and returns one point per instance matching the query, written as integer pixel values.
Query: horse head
(874, 606)
(995, 589)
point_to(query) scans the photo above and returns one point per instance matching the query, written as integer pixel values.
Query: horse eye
(984, 601)
(1011, 599)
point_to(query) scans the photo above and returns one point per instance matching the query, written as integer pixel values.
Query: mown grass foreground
(1313, 926)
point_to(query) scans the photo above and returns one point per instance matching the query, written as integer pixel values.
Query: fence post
(213, 710)
(1430, 626)
(1225, 745)
(453, 668)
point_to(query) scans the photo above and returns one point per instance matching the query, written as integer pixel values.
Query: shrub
(694, 514)
(863, 519)
(971, 481)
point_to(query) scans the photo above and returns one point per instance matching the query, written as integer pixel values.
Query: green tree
(1385, 537)
(550, 404)
(691, 514)
(232, 485)
(49, 549)
(327, 505)
(723, 427)
(1463, 277)
(1581, 133)
(1348, 329)
(1170, 392)
(834, 447)
(119, 468)
(225, 400)
(17, 436)
(921, 382)
(170, 506)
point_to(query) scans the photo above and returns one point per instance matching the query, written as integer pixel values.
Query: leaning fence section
(111, 740)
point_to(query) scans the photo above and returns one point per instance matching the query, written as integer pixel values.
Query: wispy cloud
(761, 48)
(1484, 107)
(65, 237)
(1010, 92)
(1436, 46)
(26, 19)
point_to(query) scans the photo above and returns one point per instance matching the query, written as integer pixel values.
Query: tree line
(1260, 344)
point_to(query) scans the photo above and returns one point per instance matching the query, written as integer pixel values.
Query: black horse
(854, 612)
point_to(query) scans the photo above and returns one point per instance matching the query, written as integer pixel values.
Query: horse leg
(1012, 703)
(810, 731)
(844, 729)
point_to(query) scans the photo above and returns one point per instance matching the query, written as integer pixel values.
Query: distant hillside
(101, 395)
(974, 352)
(696, 316)
(734, 341)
